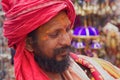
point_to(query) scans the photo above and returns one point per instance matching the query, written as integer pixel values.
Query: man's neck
(54, 76)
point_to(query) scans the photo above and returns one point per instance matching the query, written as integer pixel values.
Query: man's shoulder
(99, 64)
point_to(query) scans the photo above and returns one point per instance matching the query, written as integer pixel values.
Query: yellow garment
(75, 72)
(112, 70)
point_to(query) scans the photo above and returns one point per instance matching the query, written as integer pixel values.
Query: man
(39, 31)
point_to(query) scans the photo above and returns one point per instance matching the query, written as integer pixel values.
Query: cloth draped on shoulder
(100, 69)
(22, 17)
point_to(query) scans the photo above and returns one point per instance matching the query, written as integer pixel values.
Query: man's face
(51, 46)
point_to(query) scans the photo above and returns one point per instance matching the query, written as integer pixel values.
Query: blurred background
(96, 33)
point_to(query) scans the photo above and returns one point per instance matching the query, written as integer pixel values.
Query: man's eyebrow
(68, 26)
(55, 30)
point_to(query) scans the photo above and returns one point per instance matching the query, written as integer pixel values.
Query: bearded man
(39, 31)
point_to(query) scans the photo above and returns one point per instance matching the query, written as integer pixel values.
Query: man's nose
(65, 39)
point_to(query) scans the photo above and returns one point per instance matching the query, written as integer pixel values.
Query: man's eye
(68, 29)
(54, 35)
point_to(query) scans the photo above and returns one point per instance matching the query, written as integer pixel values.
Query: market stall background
(104, 15)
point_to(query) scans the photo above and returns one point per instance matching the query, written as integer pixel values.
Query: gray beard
(52, 65)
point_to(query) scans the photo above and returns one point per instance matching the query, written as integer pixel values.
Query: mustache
(63, 49)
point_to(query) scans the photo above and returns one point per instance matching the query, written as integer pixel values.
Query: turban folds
(22, 17)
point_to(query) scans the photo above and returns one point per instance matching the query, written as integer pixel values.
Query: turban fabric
(22, 17)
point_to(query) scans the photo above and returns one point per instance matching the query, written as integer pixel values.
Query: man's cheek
(44, 38)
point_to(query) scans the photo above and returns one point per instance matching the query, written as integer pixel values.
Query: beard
(51, 64)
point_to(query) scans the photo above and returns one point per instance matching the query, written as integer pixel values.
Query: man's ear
(28, 42)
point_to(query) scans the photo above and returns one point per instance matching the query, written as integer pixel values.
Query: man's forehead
(60, 20)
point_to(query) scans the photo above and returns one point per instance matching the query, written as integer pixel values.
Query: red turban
(22, 17)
